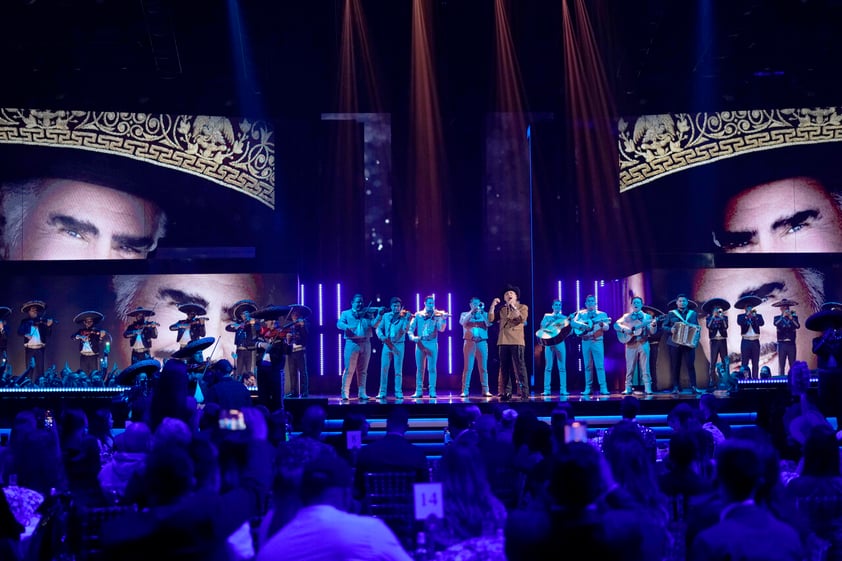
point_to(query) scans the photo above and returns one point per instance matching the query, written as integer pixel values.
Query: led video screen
(761, 181)
(89, 185)
(116, 297)
(735, 186)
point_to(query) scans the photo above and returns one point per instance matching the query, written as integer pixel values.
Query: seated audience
(473, 516)
(323, 529)
(816, 494)
(746, 528)
(130, 450)
(393, 452)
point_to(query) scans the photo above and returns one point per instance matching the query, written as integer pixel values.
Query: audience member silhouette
(473, 517)
(392, 453)
(816, 494)
(323, 528)
(746, 527)
(130, 450)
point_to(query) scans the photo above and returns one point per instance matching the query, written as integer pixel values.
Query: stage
(752, 402)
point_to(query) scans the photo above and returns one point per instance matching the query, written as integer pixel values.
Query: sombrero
(194, 347)
(130, 373)
(691, 305)
(33, 303)
(5, 312)
(711, 304)
(785, 303)
(271, 312)
(832, 306)
(302, 310)
(748, 300)
(96, 316)
(140, 311)
(242, 306)
(823, 319)
(192, 307)
(652, 310)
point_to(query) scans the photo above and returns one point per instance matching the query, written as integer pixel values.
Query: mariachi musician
(475, 325)
(682, 318)
(552, 338)
(245, 329)
(590, 324)
(273, 341)
(36, 330)
(717, 325)
(424, 328)
(296, 366)
(140, 333)
(90, 340)
(194, 324)
(750, 323)
(357, 325)
(633, 329)
(786, 325)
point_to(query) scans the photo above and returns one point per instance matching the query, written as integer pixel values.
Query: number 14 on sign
(428, 501)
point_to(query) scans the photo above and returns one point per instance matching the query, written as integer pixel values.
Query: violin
(43, 320)
(86, 334)
(185, 323)
(369, 312)
(277, 331)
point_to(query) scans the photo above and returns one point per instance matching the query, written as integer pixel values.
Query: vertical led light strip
(450, 333)
(596, 291)
(321, 333)
(418, 301)
(559, 290)
(579, 307)
(339, 337)
(450, 311)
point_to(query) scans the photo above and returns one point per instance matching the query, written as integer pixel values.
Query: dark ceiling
(182, 56)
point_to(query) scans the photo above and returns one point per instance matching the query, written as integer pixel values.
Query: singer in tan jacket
(511, 342)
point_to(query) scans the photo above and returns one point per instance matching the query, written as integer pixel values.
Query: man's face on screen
(215, 293)
(786, 216)
(769, 284)
(71, 220)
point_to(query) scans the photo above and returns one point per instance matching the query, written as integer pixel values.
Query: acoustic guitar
(639, 330)
(556, 332)
(586, 326)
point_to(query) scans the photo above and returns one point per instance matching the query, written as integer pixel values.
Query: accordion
(686, 334)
